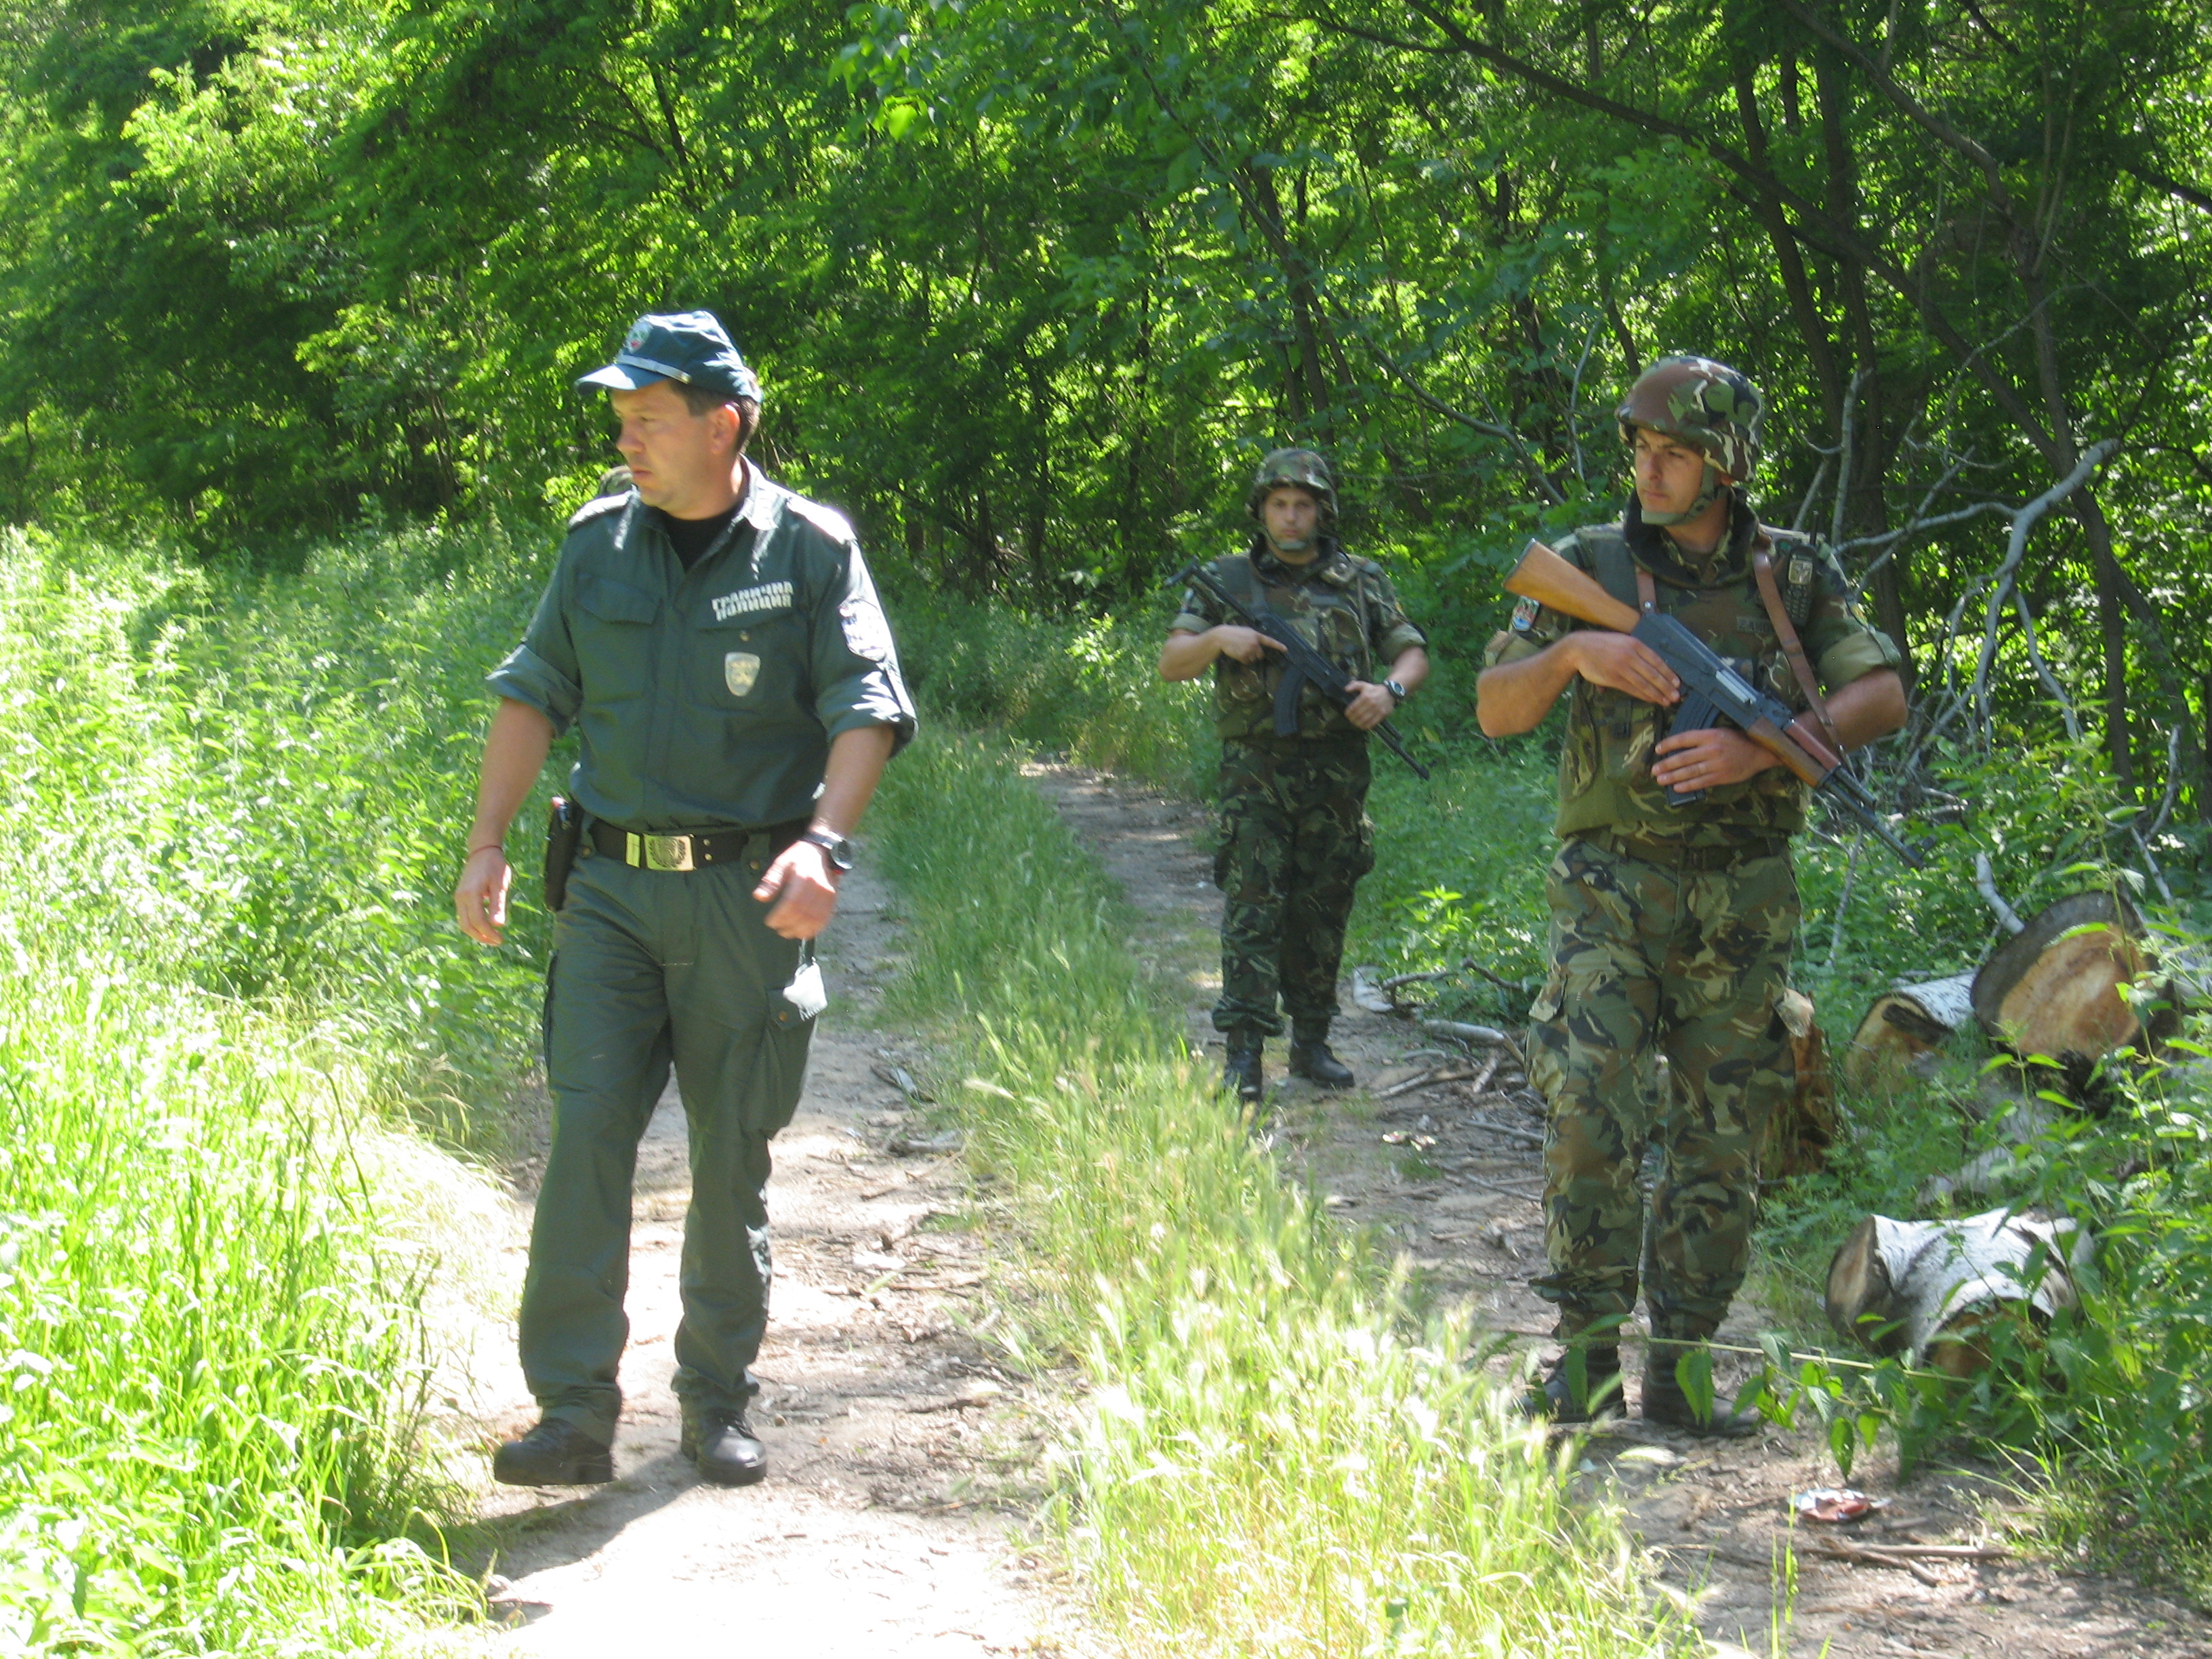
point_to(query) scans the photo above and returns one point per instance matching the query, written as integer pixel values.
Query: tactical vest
(1604, 759)
(1334, 617)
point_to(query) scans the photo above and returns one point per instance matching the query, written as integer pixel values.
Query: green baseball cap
(690, 346)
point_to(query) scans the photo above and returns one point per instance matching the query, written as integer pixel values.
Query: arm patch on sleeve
(1524, 615)
(867, 632)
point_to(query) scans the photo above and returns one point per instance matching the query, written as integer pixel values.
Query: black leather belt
(1692, 860)
(694, 849)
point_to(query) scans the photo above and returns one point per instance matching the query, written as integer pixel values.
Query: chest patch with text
(768, 596)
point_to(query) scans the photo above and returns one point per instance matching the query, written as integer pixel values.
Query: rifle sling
(1762, 569)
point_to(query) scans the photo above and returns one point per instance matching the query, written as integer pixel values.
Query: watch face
(836, 848)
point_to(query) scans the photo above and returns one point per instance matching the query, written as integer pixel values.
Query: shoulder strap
(1615, 567)
(1762, 568)
(1242, 575)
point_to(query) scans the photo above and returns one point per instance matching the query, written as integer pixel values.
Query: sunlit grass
(231, 983)
(1275, 1456)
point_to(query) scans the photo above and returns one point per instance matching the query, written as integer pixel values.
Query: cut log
(1800, 1132)
(1911, 1021)
(2054, 988)
(1927, 1289)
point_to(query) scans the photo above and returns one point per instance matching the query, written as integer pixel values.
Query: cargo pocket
(780, 1062)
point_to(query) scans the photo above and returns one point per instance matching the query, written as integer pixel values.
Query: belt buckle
(661, 852)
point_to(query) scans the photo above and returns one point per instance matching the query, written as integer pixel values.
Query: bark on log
(2053, 989)
(1903, 1026)
(1800, 1132)
(1929, 1290)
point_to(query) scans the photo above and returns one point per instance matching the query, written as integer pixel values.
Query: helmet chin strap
(1708, 491)
(1303, 543)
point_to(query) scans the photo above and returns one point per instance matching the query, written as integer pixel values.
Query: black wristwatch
(1397, 691)
(841, 856)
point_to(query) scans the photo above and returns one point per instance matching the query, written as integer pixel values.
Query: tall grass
(1276, 1456)
(231, 979)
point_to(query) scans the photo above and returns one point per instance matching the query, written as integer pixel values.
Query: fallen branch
(1527, 1135)
(1422, 1081)
(1840, 1550)
(1985, 883)
(1465, 1032)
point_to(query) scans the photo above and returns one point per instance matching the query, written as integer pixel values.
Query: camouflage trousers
(1652, 961)
(1295, 840)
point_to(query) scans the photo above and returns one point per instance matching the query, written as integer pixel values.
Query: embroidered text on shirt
(768, 596)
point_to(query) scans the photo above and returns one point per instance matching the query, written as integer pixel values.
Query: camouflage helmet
(1301, 467)
(1703, 402)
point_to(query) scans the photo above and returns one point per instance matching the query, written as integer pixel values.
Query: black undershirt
(691, 537)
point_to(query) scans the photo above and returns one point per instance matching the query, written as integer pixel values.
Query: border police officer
(1295, 836)
(1671, 924)
(717, 642)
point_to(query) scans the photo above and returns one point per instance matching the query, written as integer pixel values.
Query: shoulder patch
(599, 507)
(1524, 615)
(827, 519)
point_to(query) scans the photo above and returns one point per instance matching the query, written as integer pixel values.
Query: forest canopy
(1032, 283)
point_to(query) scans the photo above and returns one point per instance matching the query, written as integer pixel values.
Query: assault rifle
(1301, 665)
(1712, 691)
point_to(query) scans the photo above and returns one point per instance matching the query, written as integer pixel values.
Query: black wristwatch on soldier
(837, 847)
(1397, 692)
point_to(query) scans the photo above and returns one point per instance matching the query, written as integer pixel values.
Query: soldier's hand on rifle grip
(1370, 707)
(1709, 759)
(1244, 644)
(1624, 665)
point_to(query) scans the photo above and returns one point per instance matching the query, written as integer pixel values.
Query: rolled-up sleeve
(1844, 646)
(541, 671)
(855, 668)
(1394, 632)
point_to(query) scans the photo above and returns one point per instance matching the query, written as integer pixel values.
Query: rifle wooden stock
(1544, 576)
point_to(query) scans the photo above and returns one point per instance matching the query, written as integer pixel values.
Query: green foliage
(1088, 688)
(232, 977)
(1275, 1456)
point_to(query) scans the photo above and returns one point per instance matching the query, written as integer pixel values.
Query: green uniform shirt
(708, 696)
(1604, 759)
(1341, 604)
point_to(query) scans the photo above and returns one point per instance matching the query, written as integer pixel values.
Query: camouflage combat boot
(1310, 1058)
(1666, 1402)
(1584, 1385)
(1240, 1076)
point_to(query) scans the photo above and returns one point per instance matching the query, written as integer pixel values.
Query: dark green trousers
(1295, 840)
(653, 969)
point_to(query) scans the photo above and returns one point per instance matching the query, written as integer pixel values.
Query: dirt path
(1454, 1178)
(898, 1454)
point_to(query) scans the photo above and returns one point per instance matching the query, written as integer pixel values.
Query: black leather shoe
(1240, 1076)
(1562, 1401)
(1665, 1402)
(1311, 1058)
(554, 1454)
(721, 1446)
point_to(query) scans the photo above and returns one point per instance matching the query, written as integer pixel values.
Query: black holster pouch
(564, 833)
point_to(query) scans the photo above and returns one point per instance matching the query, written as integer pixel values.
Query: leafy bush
(231, 971)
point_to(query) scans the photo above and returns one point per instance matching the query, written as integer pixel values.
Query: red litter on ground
(1832, 1504)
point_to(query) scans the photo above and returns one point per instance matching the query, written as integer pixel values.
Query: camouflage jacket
(1341, 603)
(1605, 758)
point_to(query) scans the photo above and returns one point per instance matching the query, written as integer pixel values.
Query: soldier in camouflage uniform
(1671, 924)
(1294, 835)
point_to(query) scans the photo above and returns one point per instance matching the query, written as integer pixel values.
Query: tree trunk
(1910, 1022)
(2053, 989)
(1929, 1290)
